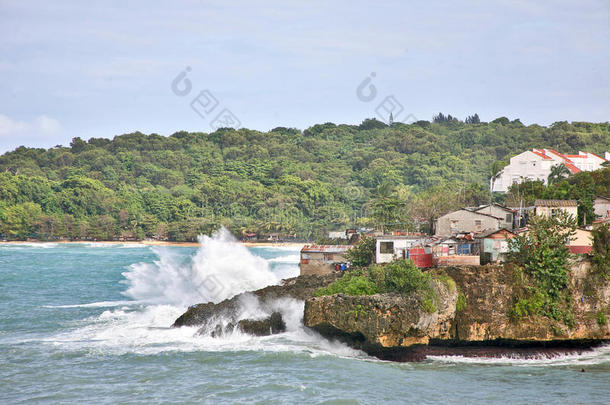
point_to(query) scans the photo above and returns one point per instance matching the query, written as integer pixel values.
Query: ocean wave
(285, 259)
(100, 304)
(598, 355)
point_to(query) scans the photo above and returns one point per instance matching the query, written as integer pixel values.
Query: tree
(362, 254)
(600, 252)
(558, 172)
(542, 255)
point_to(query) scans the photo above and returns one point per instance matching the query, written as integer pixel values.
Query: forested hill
(294, 182)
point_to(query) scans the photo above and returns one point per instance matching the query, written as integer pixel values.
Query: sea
(90, 323)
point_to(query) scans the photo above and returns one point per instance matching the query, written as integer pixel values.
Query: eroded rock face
(384, 320)
(489, 293)
(395, 327)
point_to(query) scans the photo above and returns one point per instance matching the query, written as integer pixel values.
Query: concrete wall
(463, 221)
(459, 260)
(399, 249)
(526, 165)
(548, 211)
(582, 237)
(601, 207)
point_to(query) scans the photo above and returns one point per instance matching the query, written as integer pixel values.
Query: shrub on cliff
(541, 257)
(600, 255)
(350, 284)
(400, 276)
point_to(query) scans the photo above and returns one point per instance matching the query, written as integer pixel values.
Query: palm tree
(558, 172)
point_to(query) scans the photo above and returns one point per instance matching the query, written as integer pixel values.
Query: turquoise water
(90, 324)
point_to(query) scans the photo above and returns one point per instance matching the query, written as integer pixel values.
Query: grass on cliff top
(400, 276)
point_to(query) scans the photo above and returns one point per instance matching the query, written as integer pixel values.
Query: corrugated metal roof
(556, 203)
(326, 248)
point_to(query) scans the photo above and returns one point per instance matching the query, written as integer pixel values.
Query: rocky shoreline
(397, 328)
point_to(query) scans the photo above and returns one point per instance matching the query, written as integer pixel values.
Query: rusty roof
(326, 248)
(556, 203)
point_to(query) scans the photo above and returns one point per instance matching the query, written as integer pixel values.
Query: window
(454, 224)
(386, 247)
(509, 218)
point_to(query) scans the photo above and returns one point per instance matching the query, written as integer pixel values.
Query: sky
(105, 68)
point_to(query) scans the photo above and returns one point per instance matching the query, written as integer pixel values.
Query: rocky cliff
(473, 313)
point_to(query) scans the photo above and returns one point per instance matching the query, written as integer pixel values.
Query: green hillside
(299, 183)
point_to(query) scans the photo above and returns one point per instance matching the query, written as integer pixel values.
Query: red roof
(598, 156)
(572, 168)
(326, 248)
(541, 154)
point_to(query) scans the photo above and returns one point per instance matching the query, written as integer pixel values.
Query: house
(508, 217)
(601, 207)
(466, 221)
(581, 242)
(551, 207)
(536, 164)
(493, 245)
(390, 247)
(321, 259)
(337, 235)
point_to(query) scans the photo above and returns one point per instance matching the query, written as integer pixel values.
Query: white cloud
(40, 126)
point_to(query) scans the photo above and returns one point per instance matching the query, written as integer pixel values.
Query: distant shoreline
(154, 243)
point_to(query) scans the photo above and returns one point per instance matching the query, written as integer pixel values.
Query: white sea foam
(285, 259)
(43, 245)
(221, 268)
(162, 291)
(101, 304)
(588, 357)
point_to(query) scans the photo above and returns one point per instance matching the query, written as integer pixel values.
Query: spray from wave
(221, 269)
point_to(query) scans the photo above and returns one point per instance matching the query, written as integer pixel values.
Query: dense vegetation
(299, 183)
(582, 187)
(542, 267)
(398, 277)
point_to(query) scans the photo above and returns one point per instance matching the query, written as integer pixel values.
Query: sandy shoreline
(157, 243)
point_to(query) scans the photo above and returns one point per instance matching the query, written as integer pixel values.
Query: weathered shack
(321, 259)
(494, 245)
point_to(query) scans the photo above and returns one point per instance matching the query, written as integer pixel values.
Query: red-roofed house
(536, 164)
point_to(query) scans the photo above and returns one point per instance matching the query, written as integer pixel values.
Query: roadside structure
(550, 208)
(536, 164)
(321, 259)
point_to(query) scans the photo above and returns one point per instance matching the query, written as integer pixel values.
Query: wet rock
(264, 327)
(299, 288)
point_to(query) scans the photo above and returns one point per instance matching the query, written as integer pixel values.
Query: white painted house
(536, 164)
(390, 248)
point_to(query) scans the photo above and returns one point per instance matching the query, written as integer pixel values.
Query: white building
(536, 164)
(390, 248)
